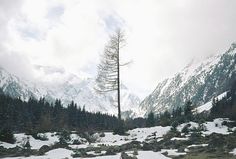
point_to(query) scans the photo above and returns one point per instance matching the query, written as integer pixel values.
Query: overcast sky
(162, 35)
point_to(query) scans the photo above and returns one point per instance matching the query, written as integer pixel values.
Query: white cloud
(162, 35)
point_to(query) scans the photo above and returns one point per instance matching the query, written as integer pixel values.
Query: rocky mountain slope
(198, 82)
(67, 87)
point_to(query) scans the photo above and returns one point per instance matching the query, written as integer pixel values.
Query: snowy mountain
(14, 87)
(57, 83)
(199, 82)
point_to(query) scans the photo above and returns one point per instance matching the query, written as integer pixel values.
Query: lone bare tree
(108, 77)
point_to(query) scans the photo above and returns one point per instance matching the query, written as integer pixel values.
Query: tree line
(40, 115)
(176, 116)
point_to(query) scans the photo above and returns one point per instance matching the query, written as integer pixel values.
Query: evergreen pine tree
(150, 120)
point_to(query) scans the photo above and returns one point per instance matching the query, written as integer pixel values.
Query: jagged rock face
(12, 86)
(69, 88)
(198, 82)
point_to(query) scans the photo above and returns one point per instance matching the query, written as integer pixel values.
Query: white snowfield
(192, 146)
(200, 145)
(59, 153)
(179, 138)
(192, 125)
(37, 144)
(216, 127)
(139, 134)
(210, 127)
(141, 155)
(151, 155)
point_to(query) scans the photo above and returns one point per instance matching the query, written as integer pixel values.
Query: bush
(6, 135)
(44, 149)
(195, 137)
(102, 134)
(201, 127)
(135, 152)
(130, 145)
(64, 137)
(120, 130)
(90, 137)
(230, 124)
(185, 129)
(76, 142)
(216, 140)
(174, 125)
(125, 156)
(26, 144)
(147, 147)
(80, 153)
(171, 134)
(110, 151)
(41, 137)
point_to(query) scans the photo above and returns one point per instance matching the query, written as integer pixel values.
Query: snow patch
(216, 127)
(139, 134)
(179, 139)
(34, 143)
(173, 152)
(207, 106)
(151, 154)
(233, 152)
(191, 124)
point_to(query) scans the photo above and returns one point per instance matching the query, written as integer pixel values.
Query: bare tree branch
(108, 77)
(127, 63)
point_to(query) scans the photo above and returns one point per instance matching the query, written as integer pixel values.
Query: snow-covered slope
(57, 83)
(207, 106)
(199, 82)
(14, 87)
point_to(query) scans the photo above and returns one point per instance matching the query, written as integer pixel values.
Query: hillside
(198, 82)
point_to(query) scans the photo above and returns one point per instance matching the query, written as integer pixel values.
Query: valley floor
(191, 140)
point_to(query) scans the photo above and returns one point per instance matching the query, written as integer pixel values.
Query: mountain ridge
(70, 87)
(198, 82)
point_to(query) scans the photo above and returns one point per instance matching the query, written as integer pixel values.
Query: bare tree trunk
(108, 78)
(118, 77)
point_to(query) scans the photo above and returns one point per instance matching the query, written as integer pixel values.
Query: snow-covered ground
(179, 138)
(144, 133)
(192, 125)
(192, 146)
(64, 153)
(215, 126)
(141, 155)
(173, 152)
(52, 138)
(200, 145)
(59, 153)
(22, 138)
(140, 134)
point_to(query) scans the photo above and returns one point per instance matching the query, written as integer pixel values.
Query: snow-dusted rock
(198, 81)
